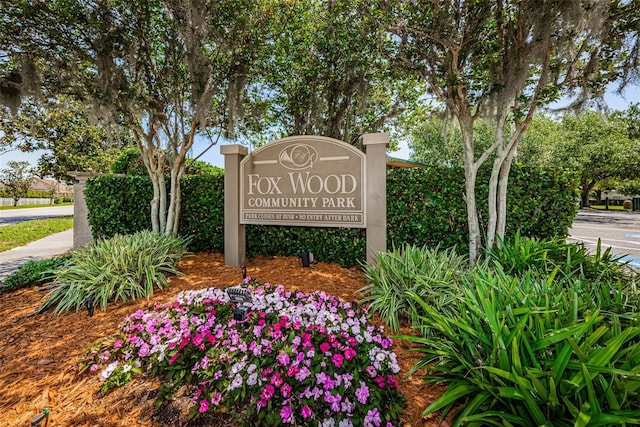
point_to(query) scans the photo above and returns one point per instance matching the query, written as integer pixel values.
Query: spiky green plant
(530, 351)
(122, 268)
(430, 273)
(603, 275)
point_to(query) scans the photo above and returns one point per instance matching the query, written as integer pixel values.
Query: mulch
(40, 354)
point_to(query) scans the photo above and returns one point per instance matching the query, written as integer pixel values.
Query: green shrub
(572, 262)
(530, 351)
(119, 269)
(36, 272)
(433, 274)
(118, 205)
(424, 207)
(130, 163)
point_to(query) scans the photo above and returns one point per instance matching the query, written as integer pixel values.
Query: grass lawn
(6, 208)
(611, 207)
(28, 231)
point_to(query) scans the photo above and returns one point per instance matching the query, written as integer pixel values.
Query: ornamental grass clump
(432, 274)
(125, 267)
(298, 358)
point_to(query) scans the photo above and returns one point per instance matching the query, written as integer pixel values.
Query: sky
(213, 156)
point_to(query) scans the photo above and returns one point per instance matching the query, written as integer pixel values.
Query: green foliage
(424, 207)
(198, 167)
(597, 146)
(531, 351)
(118, 269)
(433, 274)
(519, 255)
(118, 205)
(345, 246)
(16, 179)
(33, 273)
(202, 217)
(130, 163)
(73, 140)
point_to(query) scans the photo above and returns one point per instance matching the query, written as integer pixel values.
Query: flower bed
(298, 358)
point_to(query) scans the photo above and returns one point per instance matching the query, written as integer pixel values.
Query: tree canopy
(16, 179)
(72, 138)
(500, 60)
(595, 145)
(168, 70)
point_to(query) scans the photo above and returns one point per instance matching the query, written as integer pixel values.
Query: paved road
(619, 230)
(12, 216)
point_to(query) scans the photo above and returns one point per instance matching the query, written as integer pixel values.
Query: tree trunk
(503, 182)
(492, 219)
(155, 225)
(585, 189)
(173, 213)
(470, 175)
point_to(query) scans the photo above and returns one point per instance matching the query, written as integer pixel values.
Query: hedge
(424, 206)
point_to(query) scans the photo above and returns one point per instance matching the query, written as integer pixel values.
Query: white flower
(106, 372)
(253, 379)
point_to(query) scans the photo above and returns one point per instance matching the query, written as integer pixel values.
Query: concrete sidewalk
(48, 247)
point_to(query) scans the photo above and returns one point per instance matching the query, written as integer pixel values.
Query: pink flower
(337, 360)
(204, 406)
(379, 381)
(285, 390)
(362, 393)
(117, 344)
(286, 413)
(393, 383)
(372, 418)
(276, 379)
(267, 392)
(371, 371)
(173, 358)
(185, 342)
(324, 347)
(349, 353)
(216, 398)
(306, 411)
(197, 340)
(210, 338)
(93, 368)
(144, 350)
(293, 370)
(284, 359)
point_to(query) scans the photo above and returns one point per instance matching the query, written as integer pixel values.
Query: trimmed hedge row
(424, 206)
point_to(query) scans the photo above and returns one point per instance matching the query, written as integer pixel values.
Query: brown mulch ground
(39, 354)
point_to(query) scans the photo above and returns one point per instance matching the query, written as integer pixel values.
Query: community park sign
(305, 181)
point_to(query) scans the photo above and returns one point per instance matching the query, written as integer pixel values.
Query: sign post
(234, 233)
(376, 146)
